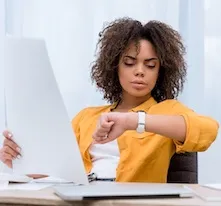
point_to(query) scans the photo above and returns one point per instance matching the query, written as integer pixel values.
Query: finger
(106, 125)
(101, 133)
(113, 134)
(95, 142)
(9, 163)
(7, 134)
(98, 138)
(36, 176)
(104, 141)
(9, 150)
(103, 130)
(12, 145)
(6, 157)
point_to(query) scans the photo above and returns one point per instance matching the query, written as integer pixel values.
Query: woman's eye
(128, 64)
(150, 66)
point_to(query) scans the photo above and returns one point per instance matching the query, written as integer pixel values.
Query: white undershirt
(105, 158)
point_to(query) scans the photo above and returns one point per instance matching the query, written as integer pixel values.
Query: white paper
(14, 178)
(53, 180)
(213, 186)
(3, 184)
(25, 186)
(37, 115)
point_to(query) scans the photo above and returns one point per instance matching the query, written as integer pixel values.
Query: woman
(141, 70)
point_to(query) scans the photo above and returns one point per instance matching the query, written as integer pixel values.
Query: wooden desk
(46, 197)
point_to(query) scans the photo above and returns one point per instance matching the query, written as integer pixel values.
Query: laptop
(36, 114)
(114, 190)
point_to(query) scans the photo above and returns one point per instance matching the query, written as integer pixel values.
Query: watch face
(140, 129)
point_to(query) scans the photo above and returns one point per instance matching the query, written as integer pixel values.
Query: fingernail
(9, 135)
(18, 149)
(18, 156)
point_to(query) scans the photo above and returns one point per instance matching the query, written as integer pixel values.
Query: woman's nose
(139, 71)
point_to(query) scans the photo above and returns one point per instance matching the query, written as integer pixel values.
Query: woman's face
(138, 72)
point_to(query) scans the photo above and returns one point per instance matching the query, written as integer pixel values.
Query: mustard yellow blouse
(147, 158)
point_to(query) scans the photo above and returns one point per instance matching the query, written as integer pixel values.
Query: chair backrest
(183, 168)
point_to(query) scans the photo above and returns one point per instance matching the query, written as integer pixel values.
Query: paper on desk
(24, 186)
(14, 178)
(52, 180)
(3, 184)
(216, 186)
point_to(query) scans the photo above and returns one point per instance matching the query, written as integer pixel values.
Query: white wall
(2, 35)
(70, 28)
(210, 161)
(70, 44)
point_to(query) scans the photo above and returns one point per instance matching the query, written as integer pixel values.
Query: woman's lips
(138, 86)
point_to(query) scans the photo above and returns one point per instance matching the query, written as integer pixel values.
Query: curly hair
(112, 44)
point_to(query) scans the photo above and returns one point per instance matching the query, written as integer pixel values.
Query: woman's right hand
(10, 149)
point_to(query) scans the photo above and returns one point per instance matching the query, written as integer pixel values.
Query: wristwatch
(141, 121)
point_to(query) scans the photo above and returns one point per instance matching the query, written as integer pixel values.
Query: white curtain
(70, 29)
(210, 161)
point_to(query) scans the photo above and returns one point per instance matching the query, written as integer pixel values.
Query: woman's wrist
(132, 121)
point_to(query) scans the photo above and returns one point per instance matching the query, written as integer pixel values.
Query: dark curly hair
(113, 42)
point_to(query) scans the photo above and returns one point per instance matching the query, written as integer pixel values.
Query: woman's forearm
(172, 126)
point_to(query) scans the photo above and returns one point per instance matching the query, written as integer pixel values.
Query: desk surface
(46, 197)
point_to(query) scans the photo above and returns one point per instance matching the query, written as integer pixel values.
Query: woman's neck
(129, 102)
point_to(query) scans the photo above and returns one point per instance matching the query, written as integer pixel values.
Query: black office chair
(183, 169)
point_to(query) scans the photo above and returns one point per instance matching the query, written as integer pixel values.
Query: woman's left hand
(114, 124)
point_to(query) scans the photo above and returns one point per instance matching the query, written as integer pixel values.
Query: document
(37, 116)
